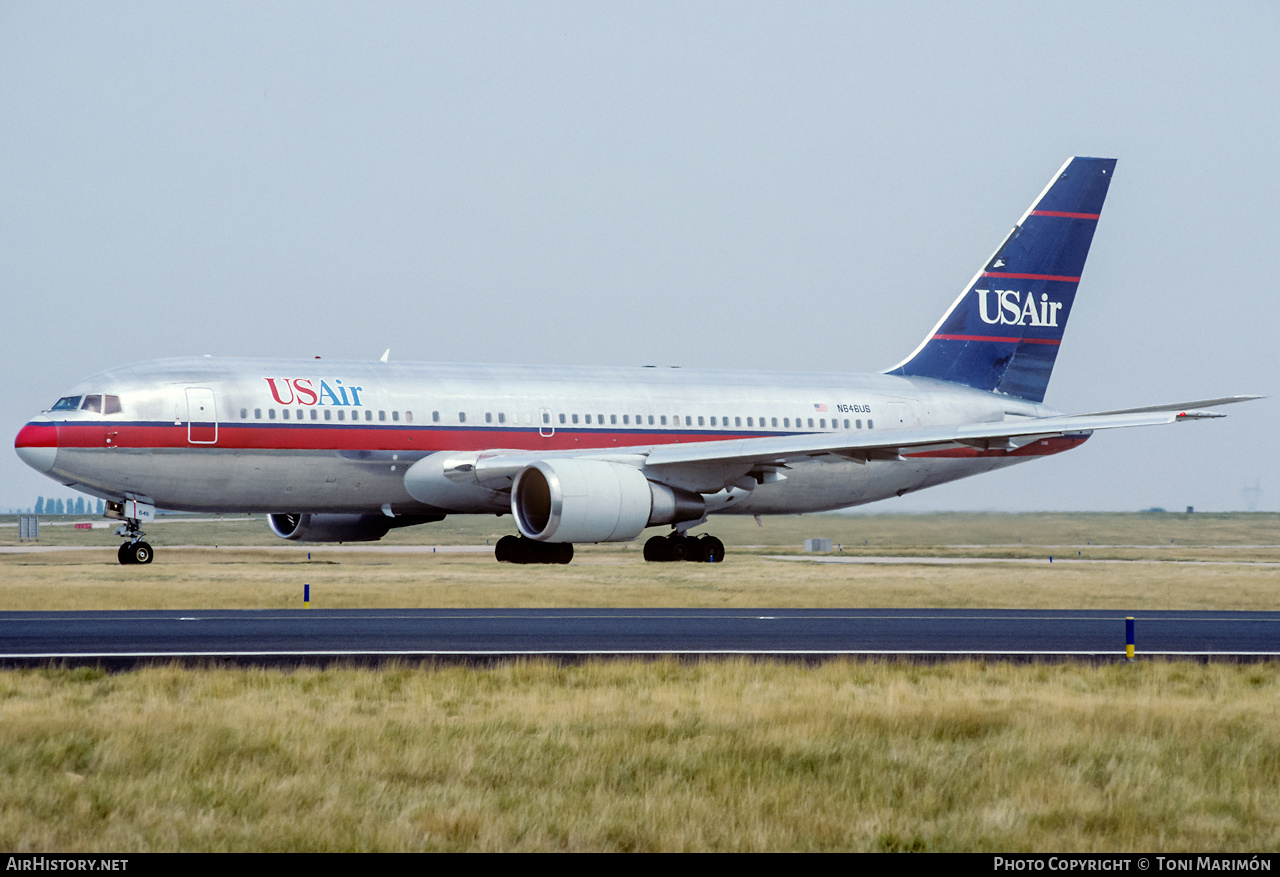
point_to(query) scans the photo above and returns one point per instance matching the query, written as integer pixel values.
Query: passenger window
(408, 417)
(462, 417)
(626, 419)
(700, 423)
(284, 414)
(244, 413)
(502, 418)
(328, 415)
(651, 420)
(588, 418)
(613, 420)
(688, 421)
(395, 416)
(257, 414)
(811, 423)
(664, 420)
(858, 423)
(575, 418)
(774, 421)
(313, 414)
(822, 422)
(561, 418)
(870, 425)
(786, 423)
(368, 416)
(488, 417)
(342, 415)
(749, 421)
(737, 421)
(846, 423)
(713, 421)
(600, 419)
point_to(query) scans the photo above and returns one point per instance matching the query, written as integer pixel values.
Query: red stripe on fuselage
(1056, 341)
(37, 435)
(304, 437)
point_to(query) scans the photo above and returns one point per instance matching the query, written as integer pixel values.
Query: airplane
(345, 451)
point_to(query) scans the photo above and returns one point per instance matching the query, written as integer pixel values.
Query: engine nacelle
(573, 500)
(447, 480)
(340, 528)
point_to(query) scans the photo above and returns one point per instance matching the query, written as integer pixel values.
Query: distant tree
(79, 505)
(58, 507)
(101, 508)
(39, 505)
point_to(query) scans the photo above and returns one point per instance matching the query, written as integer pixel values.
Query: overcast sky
(798, 186)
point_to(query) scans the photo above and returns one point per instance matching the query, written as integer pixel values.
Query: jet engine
(575, 500)
(340, 528)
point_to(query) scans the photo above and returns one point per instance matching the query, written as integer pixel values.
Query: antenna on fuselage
(386, 355)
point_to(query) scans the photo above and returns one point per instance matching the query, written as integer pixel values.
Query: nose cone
(37, 445)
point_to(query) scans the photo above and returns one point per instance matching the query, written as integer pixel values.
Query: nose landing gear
(133, 513)
(135, 552)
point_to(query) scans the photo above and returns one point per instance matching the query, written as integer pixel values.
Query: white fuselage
(266, 435)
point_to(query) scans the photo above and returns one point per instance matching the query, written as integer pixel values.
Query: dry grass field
(1148, 567)
(723, 755)
(623, 755)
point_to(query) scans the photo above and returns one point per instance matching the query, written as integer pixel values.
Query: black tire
(507, 550)
(142, 552)
(697, 549)
(656, 550)
(565, 553)
(713, 549)
(678, 547)
(125, 554)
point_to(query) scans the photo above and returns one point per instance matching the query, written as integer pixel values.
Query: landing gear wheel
(712, 549)
(678, 546)
(512, 549)
(506, 549)
(657, 550)
(134, 552)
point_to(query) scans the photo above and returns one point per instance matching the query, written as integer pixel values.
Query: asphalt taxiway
(125, 638)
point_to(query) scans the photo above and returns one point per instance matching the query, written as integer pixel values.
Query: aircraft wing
(891, 443)
(719, 463)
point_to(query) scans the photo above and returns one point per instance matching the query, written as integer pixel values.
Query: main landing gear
(518, 549)
(702, 549)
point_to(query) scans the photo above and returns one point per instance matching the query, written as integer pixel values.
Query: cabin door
(202, 416)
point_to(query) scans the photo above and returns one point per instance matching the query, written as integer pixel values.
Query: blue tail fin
(1003, 332)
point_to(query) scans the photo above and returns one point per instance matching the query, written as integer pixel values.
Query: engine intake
(572, 500)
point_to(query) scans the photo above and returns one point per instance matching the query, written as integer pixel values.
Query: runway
(127, 638)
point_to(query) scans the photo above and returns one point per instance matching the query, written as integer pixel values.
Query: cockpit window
(67, 403)
(92, 403)
(112, 405)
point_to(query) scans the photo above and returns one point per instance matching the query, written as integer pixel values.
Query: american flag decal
(820, 408)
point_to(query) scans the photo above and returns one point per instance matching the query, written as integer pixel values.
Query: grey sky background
(800, 186)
